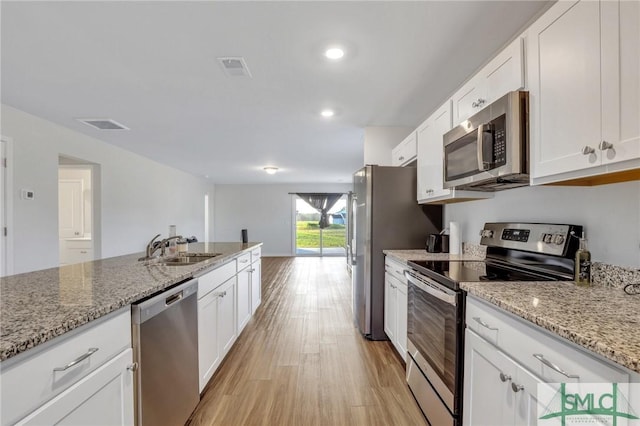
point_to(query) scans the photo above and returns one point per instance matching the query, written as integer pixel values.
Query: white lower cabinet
(256, 284)
(216, 328)
(507, 361)
(395, 306)
(80, 378)
(104, 397)
(244, 297)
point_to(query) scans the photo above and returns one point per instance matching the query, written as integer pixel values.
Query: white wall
(609, 213)
(266, 211)
(379, 141)
(140, 198)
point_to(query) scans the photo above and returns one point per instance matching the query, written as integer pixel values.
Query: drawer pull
(551, 365)
(81, 358)
(244, 261)
(516, 387)
(484, 324)
(504, 377)
(251, 270)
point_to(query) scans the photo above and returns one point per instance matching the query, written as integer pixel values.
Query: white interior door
(70, 217)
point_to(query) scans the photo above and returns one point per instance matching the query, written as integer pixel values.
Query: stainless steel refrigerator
(386, 216)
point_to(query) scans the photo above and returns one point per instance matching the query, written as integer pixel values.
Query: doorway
(310, 239)
(77, 211)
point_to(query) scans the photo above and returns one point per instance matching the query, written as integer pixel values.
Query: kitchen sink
(186, 259)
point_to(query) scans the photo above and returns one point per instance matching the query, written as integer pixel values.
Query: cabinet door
(244, 298)
(208, 354)
(256, 285)
(425, 161)
(488, 397)
(565, 98)
(401, 319)
(226, 316)
(620, 81)
(389, 307)
(104, 397)
(469, 99)
(505, 73)
(430, 153)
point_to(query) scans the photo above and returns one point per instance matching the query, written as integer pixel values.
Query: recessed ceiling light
(327, 113)
(334, 53)
(271, 170)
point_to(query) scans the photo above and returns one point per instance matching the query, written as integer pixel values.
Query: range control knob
(486, 233)
(558, 239)
(547, 238)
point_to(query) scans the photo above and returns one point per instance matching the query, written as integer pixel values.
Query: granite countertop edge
(576, 335)
(9, 348)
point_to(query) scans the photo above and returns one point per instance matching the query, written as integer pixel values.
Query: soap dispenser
(583, 264)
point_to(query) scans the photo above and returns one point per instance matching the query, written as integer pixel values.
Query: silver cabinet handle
(132, 367)
(243, 261)
(478, 103)
(516, 387)
(484, 324)
(504, 377)
(81, 358)
(587, 150)
(251, 270)
(551, 365)
(604, 145)
(401, 158)
(223, 294)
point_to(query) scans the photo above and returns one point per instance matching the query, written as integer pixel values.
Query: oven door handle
(433, 289)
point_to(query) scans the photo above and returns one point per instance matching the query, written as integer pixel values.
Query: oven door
(434, 336)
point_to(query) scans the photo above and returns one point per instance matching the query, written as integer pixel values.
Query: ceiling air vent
(234, 67)
(103, 123)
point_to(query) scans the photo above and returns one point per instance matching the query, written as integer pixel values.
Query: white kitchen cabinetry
(37, 388)
(104, 397)
(216, 318)
(244, 291)
(75, 251)
(256, 279)
(584, 75)
(503, 74)
(395, 305)
(506, 359)
(430, 161)
(405, 152)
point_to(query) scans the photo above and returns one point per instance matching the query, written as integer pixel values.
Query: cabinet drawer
(256, 253)
(30, 381)
(213, 279)
(244, 261)
(532, 346)
(395, 269)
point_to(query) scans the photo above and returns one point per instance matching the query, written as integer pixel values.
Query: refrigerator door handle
(354, 246)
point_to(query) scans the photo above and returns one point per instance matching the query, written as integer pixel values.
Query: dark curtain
(322, 203)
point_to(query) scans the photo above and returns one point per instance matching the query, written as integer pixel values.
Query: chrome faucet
(152, 247)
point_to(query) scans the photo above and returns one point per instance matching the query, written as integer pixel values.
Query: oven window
(432, 329)
(461, 157)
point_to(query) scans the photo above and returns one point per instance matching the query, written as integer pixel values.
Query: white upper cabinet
(503, 74)
(430, 161)
(583, 67)
(621, 81)
(405, 151)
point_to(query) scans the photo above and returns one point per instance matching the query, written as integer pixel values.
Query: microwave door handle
(480, 145)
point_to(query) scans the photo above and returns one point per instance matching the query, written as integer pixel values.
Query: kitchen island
(41, 305)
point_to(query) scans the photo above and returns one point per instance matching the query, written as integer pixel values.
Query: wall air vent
(103, 123)
(234, 67)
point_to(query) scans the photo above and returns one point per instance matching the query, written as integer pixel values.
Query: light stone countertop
(601, 318)
(37, 306)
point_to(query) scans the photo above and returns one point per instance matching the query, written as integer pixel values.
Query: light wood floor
(300, 361)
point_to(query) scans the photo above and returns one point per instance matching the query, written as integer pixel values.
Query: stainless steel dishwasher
(165, 345)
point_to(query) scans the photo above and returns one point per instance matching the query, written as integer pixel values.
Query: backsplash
(613, 276)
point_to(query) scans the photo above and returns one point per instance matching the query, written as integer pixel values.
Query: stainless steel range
(435, 331)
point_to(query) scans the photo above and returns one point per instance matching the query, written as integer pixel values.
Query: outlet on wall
(28, 194)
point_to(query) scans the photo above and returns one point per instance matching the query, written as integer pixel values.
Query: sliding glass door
(310, 240)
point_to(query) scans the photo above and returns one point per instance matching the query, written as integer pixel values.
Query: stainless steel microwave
(490, 150)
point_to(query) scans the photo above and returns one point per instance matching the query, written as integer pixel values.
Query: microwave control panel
(499, 140)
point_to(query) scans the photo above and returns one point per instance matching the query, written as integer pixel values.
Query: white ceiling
(152, 67)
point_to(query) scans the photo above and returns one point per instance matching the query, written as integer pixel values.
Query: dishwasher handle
(167, 299)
